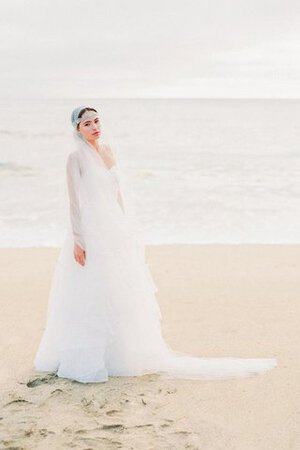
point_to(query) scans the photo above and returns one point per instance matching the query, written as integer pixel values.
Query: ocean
(202, 170)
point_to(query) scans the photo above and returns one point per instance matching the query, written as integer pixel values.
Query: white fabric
(103, 318)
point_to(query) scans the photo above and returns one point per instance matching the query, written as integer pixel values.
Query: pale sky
(155, 48)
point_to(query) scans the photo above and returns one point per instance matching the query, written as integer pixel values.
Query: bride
(103, 318)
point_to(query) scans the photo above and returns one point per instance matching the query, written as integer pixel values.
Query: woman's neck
(95, 143)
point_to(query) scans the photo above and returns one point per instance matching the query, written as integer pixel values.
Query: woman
(103, 318)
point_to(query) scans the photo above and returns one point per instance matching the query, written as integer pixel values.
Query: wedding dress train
(103, 318)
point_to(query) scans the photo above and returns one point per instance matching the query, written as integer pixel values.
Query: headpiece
(87, 115)
(76, 120)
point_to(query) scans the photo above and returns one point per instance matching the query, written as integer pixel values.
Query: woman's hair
(83, 111)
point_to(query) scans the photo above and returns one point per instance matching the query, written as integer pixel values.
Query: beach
(216, 300)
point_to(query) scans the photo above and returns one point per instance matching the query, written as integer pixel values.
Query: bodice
(93, 193)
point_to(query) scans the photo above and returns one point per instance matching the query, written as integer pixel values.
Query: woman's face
(90, 128)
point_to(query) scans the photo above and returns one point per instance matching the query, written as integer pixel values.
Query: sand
(216, 300)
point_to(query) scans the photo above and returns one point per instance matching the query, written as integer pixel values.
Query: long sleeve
(73, 181)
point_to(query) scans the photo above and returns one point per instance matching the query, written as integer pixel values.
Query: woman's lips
(96, 132)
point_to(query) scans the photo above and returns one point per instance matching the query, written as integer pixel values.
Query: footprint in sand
(111, 412)
(108, 444)
(45, 432)
(113, 427)
(17, 400)
(11, 447)
(168, 423)
(94, 406)
(57, 391)
(144, 425)
(167, 391)
(48, 379)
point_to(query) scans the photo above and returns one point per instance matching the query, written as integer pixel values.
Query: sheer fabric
(103, 318)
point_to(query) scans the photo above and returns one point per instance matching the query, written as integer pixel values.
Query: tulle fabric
(103, 318)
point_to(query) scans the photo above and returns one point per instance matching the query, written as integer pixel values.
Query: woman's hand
(79, 254)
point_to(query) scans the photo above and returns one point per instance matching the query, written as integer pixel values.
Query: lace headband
(86, 116)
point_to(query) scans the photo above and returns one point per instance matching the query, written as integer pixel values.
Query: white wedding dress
(103, 318)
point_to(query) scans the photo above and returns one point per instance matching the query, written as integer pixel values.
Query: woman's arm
(73, 180)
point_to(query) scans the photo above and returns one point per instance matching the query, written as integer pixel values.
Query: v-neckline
(99, 157)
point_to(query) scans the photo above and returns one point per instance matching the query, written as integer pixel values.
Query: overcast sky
(155, 48)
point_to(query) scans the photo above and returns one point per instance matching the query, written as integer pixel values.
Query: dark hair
(83, 111)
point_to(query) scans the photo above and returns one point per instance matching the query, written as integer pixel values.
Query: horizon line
(151, 98)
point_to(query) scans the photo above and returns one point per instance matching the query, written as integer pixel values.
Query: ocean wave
(26, 134)
(12, 169)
